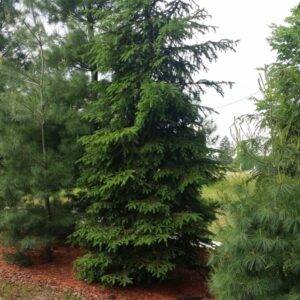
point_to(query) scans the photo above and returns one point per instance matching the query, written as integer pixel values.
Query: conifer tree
(7, 15)
(40, 122)
(225, 151)
(146, 162)
(259, 256)
(79, 19)
(280, 108)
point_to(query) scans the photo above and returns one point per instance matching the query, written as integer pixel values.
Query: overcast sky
(248, 21)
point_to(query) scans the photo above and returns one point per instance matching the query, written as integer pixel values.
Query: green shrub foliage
(146, 161)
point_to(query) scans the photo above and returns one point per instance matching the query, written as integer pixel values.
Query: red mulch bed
(59, 274)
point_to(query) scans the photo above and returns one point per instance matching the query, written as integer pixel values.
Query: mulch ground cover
(59, 274)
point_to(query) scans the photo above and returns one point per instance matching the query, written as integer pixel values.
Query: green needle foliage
(146, 162)
(280, 107)
(79, 19)
(259, 256)
(41, 103)
(39, 114)
(24, 228)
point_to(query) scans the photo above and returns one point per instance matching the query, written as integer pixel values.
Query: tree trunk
(91, 36)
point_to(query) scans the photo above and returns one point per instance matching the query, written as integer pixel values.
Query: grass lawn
(226, 191)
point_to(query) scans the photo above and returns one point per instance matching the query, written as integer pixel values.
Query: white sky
(248, 21)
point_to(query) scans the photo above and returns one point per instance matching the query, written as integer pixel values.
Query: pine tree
(146, 162)
(79, 19)
(40, 123)
(7, 15)
(259, 256)
(247, 152)
(280, 108)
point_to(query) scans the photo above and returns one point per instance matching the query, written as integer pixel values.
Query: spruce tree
(225, 151)
(146, 161)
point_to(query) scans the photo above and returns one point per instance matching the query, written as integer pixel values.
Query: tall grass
(227, 191)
